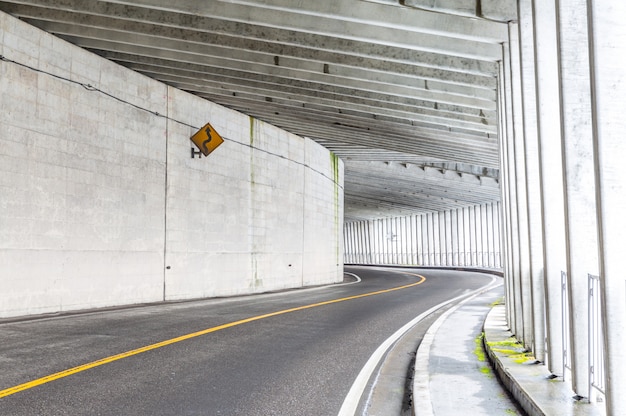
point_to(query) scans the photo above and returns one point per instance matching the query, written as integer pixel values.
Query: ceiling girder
(407, 97)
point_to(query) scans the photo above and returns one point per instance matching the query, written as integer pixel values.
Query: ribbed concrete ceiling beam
(340, 102)
(203, 75)
(408, 176)
(354, 120)
(410, 86)
(406, 96)
(415, 116)
(384, 133)
(326, 95)
(403, 27)
(280, 43)
(228, 57)
(408, 198)
(378, 15)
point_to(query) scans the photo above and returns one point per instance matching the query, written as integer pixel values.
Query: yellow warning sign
(207, 139)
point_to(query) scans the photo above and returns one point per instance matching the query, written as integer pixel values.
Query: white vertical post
(470, 229)
(355, 247)
(414, 245)
(484, 236)
(504, 186)
(443, 237)
(608, 48)
(408, 235)
(350, 242)
(389, 240)
(499, 232)
(577, 142)
(365, 241)
(404, 241)
(466, 238)
(438, 237)
(425, 244)
(398, 240)
(488, 235)
(379, 241)
(461, 236)
(549, 131)
(454, 237)
(533, 184)
(431, 239)
(521, 200)
(510, 172)
(369, 246)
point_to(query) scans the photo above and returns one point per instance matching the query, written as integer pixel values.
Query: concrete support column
(349, 237)
(357, 243)
(453, 245)
(482, 232)
(497, 232)
(533, 184)
(491, 242)
(376, 235)
(366, 249)
(388, 242)
(400, 240)
(608, 48)
(417, 232)
(577, 142)
(466, 238)
(521, 202)
(446, 244)
(370, 243)
(510, 170)
(425, 240)
(505, 237)
(364, 243)
(353, 240)
(549, 130)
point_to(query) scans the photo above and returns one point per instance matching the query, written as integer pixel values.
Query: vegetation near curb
(511, 348)
(479, 351)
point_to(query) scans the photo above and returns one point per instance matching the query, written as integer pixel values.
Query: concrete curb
(527, 381)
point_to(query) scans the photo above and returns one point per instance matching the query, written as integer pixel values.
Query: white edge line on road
(358, 279)
(421, 376)
(351, 402)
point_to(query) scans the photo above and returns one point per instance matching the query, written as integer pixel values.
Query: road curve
(290, 353)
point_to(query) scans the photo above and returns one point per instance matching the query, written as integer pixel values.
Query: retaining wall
(102, 203)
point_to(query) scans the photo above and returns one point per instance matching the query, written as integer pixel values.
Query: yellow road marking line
(112, 358)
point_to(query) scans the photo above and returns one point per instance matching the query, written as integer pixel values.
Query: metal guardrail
(596, 337)
(391, 256)
(565, 329)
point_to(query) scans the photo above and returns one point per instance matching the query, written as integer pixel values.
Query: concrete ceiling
(403, 91)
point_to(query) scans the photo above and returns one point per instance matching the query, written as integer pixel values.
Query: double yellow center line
(112, 358)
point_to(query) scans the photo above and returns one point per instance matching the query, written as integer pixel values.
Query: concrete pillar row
(533, 183)
(608, 83)
(551, 173)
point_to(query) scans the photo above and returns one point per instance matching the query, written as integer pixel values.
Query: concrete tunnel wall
(101, 203)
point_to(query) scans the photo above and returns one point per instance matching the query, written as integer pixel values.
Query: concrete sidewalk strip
(452, 374)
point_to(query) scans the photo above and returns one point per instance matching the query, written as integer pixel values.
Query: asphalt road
(301, 361)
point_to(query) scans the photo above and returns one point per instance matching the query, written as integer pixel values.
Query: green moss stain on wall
(256, 281)
(251, 130)
(334, 165)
